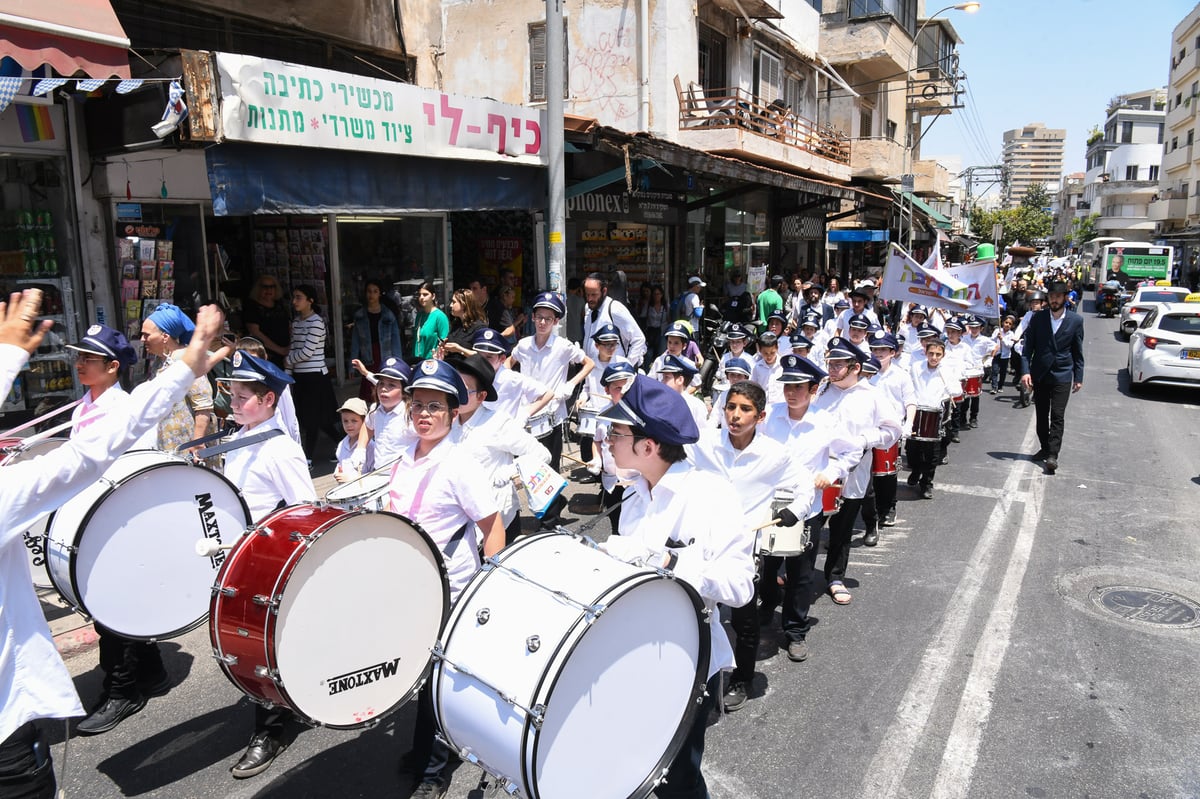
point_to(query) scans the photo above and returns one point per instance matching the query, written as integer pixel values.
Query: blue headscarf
(173, 322)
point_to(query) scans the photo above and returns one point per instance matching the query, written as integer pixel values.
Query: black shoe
(927, 492)
(797, 651)
(735, 696)
(944, 460)
(429, 790)
(889, 519)
(973, 424)
(109, 715)
(1051, 464)
(587, 478)
(156, 685)
(871, 537)
(913, 479)
(261, 752)
(954, 438)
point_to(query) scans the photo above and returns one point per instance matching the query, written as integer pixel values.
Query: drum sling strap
(221, 449)
(415, 506)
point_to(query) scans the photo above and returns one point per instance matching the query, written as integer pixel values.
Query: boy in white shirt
(353, 461)
(766, 369)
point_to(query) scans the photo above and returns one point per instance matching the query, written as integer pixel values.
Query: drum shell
(73, 560)
(541, 424)
(884, 461)
(587, 421)
(831, 498)
(505, 741)
(972, 384)
(372, 496)
(245, 633)
(927, 424)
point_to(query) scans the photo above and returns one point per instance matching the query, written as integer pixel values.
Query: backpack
(677, 306)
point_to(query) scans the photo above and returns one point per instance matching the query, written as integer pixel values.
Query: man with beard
(601, 310)
(1052, 365)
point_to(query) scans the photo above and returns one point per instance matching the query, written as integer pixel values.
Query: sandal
(839, 593)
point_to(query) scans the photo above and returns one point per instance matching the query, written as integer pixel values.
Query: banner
(276, 102)
(980, 280)
(905, 280)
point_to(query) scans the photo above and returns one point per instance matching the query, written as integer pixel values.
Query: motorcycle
(1109, 298)
(714, 342)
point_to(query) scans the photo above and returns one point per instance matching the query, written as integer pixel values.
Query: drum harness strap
(221, 449)
(415, 506)
(42, 418)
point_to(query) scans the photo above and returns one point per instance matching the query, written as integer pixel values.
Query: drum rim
(19, 449)
(328, 501)
(281, 582)
(87, 517)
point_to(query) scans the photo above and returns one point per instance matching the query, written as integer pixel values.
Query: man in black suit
(1052, 364)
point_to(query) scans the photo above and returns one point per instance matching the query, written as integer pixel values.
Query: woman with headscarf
(316, 406)
(267, 319)
(165, 333)
(375, 336)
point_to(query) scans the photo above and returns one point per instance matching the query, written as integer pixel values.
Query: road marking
(887, 768)
(962, 746)
(977, 491)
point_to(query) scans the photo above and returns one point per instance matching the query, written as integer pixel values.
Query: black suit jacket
(1054, 356)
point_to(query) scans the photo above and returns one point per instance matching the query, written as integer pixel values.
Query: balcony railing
(701, 108)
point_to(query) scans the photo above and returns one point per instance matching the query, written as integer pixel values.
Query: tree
(1022, 224)
(1083, 229)
(1036, 197)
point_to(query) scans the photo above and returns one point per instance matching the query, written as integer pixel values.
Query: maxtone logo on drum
(208, 523)
(361, 677)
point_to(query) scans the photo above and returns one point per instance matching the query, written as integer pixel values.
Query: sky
(1052, 61)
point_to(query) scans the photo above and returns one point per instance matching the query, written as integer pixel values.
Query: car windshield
(1180, 323)
(1160, 296)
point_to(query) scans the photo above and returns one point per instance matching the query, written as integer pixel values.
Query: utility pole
(556, 223)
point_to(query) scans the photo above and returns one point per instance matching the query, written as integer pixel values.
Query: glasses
(432, 408)
(614, 434)
(85, 358)
(545, 320)
(838, 365)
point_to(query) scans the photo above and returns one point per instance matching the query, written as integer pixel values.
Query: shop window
(537, 62)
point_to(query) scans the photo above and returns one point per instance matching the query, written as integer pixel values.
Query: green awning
(938, 219)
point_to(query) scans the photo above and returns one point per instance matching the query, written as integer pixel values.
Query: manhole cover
(1147, 605)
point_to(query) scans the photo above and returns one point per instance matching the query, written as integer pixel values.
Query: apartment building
(1033, 154)
(1123, 165)
(1066, 209)
(1176, 211)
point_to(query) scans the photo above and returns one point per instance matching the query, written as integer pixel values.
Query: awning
(938, 219)
(750, 9)
(69, 36)
(248, 179)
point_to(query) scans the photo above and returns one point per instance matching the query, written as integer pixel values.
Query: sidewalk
(75, 635)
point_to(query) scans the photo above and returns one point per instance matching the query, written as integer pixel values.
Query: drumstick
(207, 547)
(772, 523)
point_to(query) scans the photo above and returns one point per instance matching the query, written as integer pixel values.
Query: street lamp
(909, 144)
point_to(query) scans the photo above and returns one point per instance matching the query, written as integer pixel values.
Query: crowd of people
(819, 390)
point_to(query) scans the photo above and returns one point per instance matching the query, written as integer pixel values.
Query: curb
(76, 642)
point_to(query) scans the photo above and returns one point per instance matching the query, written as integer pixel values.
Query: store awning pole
(335, 299)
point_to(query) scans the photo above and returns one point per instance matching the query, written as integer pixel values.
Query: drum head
(359, 616)
(135, 569)
(366, 486)
(641, 660)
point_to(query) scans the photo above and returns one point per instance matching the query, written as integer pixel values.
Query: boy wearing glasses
(133, 670)
(546, 357)
(271, 474)
(437, 484)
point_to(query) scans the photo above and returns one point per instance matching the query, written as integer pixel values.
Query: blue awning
(248, 179)
(858, 235)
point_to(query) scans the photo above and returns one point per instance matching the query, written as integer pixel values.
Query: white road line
(887, 768)
(962, 746)
(976, 491)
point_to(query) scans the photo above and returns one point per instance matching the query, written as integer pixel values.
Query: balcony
(1176, 159)
(877, 159)
(1180, 115)
(1183, 69)
(878, 46)
(930, 179)
(736, 122)
(1169, 205)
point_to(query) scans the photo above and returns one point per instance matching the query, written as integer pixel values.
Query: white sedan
(1143, 300)
(1165, 347)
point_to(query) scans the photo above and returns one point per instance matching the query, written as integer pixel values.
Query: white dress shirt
(767, 376)
(90, 411)
(896, 385)
(701, 511)
(870, 422)
(633, 341)
(494, 442)
(390, 431)
(823, 448)
(515, 392)
(270, 471)
(549, 365)
(34, 682)
(755, 472)
(932, 387)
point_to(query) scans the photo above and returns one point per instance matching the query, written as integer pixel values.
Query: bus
(1131, 262)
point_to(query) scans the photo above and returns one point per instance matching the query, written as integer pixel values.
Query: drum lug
(539, 715)
(266, 601)
(264, 530)
(483, 616)
(228, 590)
(228, 660)
(661, 778)
(301, 538)
(533, 643)
(267, 673)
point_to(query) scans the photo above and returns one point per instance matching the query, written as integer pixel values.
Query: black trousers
(316, 410)
(431, 755)
(841, 527)
(971, 408)
(923, 457)
(513, 530)
(880, 499)
(553, 441)
(26, 770)
(744, 621)
(799, 576)
(684, 778)
(1050, 403)
(126, 662)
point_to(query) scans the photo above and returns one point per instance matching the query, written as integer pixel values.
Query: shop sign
(645, 207)
(139, 231)
(275, 102)
(129, 212)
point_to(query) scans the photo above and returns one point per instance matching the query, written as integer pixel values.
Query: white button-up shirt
(701, 511)
(767, 376)
(90, 411)
(870, 421)
(896, 385)
(270, 471)
(494, 442)
(931, 387)
(34, 682)
(549, 365)
(756, 472)
(823, 448)
(391, 432)
(515, 392)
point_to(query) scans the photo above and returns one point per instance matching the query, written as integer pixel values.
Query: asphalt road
(974, 661)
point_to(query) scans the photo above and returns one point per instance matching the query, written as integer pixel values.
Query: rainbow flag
(36, 123)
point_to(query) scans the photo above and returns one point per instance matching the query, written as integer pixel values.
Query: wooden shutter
(537, 62)
(770, 77)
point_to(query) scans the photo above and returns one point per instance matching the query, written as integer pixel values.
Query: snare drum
(12, 452)
(123, 551)
(927, 424)
(541, 424)
(782, 542)
(330, 613)
(587, 421)
(538, 687)
(972, 384)
(369, 491)
(883, 461)
(831, 498)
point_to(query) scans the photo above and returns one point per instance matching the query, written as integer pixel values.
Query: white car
(1146, 298)
(1165, 347)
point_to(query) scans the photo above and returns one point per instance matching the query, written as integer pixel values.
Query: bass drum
(330, 613)
(123, 550)
(12, 452)
(569, 674)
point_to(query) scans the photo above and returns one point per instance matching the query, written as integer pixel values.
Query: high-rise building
(1033, 154)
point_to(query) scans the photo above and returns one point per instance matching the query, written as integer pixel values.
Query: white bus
(1133, 261)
